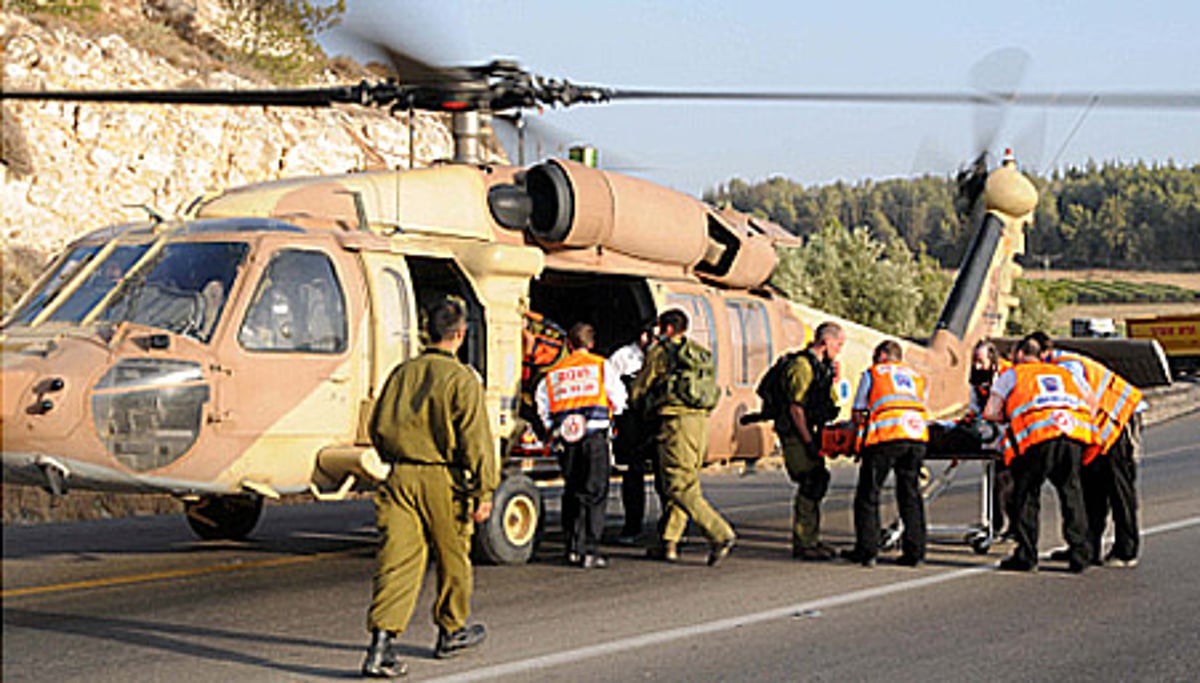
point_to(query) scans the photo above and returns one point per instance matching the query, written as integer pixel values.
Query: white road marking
(686, 632)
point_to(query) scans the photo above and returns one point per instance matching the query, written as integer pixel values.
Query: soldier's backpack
(690, 376)
(771, 391)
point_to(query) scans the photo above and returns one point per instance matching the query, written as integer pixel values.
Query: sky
(1075, 46)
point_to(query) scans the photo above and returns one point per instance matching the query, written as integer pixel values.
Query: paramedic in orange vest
(1110, 480)
(892, 418)
(1049, 427)
(576, 401)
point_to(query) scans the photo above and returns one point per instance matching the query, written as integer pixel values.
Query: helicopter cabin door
(751, 353)
(393, 319)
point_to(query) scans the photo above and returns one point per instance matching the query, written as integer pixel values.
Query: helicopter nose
(17, 385)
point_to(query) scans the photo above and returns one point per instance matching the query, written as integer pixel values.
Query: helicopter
(235, 355)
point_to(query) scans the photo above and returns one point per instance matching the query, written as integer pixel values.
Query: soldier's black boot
(381, 662)
(453, 644)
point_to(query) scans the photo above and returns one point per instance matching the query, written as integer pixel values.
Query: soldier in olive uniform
(432, 425)
(809, 385)
(682, 444)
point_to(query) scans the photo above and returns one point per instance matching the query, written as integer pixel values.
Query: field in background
(1184, 280)
(1122, 294)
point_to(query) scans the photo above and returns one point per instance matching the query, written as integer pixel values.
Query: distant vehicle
(1093, 327)
(1179, 336)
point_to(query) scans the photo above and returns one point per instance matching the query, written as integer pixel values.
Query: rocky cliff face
(70, 168)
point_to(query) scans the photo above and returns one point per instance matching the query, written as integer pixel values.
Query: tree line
(1109, 215)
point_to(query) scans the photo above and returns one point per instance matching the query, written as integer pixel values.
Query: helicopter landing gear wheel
(514, 528)
(226, 518)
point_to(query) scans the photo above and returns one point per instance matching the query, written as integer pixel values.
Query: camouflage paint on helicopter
(238, 353)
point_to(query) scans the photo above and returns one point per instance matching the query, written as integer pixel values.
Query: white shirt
(627, 360)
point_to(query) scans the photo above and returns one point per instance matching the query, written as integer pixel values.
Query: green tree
(280, 33)
(1035, 310)
(850, 274)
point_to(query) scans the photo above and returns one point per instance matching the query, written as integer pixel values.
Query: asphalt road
(141, 600)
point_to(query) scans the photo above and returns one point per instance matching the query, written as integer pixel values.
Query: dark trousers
(1004, 513)
(585, 469)
(637, 453)
(1110, 484)
(1059, 461)
(903, 457)
(633, 493)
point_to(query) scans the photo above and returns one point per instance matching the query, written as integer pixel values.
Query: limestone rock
(81, 166)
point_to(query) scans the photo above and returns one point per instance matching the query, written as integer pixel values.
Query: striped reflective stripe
(1109, 425)
(1099, 391)
(875, 426)
(904, 401)
(1122, 400)
(1033, 426)
(1049, 422)
(589, 412)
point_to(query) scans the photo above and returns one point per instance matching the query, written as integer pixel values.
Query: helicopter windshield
(183, 289)
(99, 283)
(67, 268)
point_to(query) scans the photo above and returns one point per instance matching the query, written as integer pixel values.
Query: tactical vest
(1043, 405)
(575, 386)
(818, 403)
(1116, 399)
(896, 405)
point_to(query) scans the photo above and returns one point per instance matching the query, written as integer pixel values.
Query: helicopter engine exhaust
(574, 206)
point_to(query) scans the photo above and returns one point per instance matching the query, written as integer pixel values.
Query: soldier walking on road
(809, 393)
(431, 424)
(676, 384)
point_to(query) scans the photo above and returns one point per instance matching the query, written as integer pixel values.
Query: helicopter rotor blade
(1148, 99)
(360, 94)
(297, 97)
(999, 71)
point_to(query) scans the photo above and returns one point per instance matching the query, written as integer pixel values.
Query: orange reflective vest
(1045, 404)
(895, 405)
(1116, 399)
(575, 386)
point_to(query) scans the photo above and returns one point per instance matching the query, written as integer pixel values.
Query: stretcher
(950, 443)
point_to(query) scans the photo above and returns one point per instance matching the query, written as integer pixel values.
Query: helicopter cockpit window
(103, 279)
(298, 306)
(182, 289)
(67, 269)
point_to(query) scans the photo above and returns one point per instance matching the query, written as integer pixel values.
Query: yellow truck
(1179, 336)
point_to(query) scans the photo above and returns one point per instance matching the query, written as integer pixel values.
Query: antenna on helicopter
(156, 217)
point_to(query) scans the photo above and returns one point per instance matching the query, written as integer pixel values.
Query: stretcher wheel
(980, 542)
(889, 538)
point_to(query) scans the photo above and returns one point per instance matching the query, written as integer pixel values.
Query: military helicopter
(234, 355)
